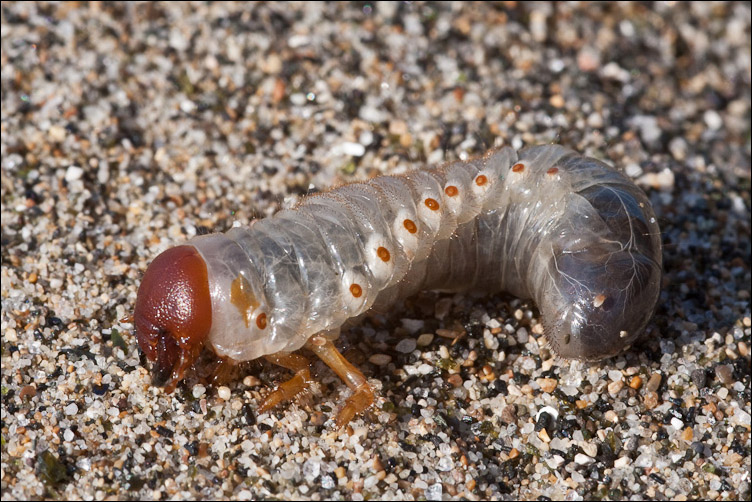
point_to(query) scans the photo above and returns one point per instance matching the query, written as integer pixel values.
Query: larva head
(173, 313)
(600, 302)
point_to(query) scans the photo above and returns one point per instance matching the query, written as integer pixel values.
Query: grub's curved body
(568, 231)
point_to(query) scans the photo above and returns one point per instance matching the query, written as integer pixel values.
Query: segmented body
(570, 232)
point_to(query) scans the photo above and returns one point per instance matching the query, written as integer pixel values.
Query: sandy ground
(127, 128)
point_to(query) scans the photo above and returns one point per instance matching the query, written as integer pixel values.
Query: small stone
(509, 414)
(251, 381)
(582, 459)
(615, 375)
(651, 400)
(28, 391)
(547, 384)
(57, 133)
(448, 333)
(380, 359)
(522, 336)
(725, 373)
(425, 340)
(353, 149)
(198, 391)
(514, 453)
(71, 409)
(742, 418)
(615, 387)
(224, 393)
(688, 434)
(699, 377)
(434, 492)
(413, 325)
(622, 462)
(713, 120)
(406, 345)
(633, 170)
(311, 468)
(543, 435)
(590, 449)
(455, 380)
(340, 472)
(635, 382)
(557, 101)
(611, 416)
(678, 148)
(654, 382)
(73, 173)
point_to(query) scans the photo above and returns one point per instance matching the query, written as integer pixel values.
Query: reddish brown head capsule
(173, 313)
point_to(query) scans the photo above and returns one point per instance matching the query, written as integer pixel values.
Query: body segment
(573, 234)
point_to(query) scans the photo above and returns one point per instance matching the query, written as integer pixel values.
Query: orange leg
(294, 386)
(362, 396)
(222, 371)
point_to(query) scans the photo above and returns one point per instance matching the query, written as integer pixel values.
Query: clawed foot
(287, 390)
(354, 405)
(357, 403)
(294, 386)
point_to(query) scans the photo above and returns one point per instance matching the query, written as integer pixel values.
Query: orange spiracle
(432, 204)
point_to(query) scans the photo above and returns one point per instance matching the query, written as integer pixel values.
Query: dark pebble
(699, 377)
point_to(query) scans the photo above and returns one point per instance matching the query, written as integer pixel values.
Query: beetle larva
(570, 232)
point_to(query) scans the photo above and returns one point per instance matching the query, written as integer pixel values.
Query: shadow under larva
(568, 231)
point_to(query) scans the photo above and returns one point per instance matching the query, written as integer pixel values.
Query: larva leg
(362, 396)
(222, 372)
(294, 386)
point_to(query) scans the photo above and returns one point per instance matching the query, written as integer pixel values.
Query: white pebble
(713, 120)
(68, 435)
(741, 417)
(615, 375)
(522, 336)
(57, 133)
(555, 461)
(633, 170)
(353, 149)
(198, 391)
(434, 491)
(73, 173)
(71, 409)
(621, 462)
(677, 424)
(224, 393)
(491, 342)
(425, 369)
(582, 459)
